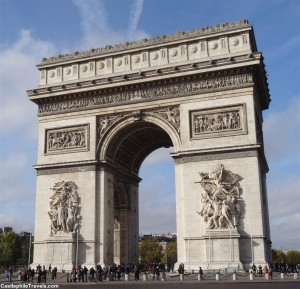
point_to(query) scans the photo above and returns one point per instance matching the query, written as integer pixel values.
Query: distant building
(5, 230)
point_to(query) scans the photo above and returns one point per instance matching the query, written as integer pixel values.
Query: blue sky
(32, 29)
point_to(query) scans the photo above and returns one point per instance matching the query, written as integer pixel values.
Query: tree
(278, 256)
(151, 252)
(293, 257)
(11, 248)
(171, 254)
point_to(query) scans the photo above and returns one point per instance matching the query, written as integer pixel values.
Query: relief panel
(140, 60)
(67, 139)
(218, 122)
(87, 69)
(104, 66)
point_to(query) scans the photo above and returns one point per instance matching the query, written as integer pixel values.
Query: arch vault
(102, 112)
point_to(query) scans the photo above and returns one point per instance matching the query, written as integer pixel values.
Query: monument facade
(102, 112)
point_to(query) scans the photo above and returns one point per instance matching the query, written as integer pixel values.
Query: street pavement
(190, 282)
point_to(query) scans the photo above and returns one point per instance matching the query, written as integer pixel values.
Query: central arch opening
(157, 194)
(126, 153)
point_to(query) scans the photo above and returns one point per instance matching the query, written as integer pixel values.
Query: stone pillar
(282, 276)
(251, 276)
(145, 277)
(217, 276)
(234, 277)
(181, 277)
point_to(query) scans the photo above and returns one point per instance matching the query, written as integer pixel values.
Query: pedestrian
(259, 271)
(92, 274)
(201, 273)
(157, 273)
(270, 273)
(136, 273)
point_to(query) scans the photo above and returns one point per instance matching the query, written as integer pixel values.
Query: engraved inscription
(69, 138)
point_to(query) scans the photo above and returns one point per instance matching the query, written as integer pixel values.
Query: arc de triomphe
(102, 112)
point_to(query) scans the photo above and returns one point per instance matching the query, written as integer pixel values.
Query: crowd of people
(116, 272)
(283, 268)
(29, 274)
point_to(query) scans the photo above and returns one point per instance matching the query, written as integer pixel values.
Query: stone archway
(125, 143)
(101, 112)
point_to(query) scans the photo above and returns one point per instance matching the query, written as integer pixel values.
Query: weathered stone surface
(101, 112)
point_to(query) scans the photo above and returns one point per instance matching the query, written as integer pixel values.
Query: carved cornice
(63, 170)
(155, 92)
(217, 154)
(147, 42)
(104, 80)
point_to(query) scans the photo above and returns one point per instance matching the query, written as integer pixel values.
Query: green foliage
(151, 251)
(11, 248)
(278, 256)
(291, 257)
(171, 253)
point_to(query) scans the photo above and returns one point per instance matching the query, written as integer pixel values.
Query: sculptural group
(221, 198)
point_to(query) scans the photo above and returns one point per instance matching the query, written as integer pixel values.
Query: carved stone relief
(64, 208)
(172, 115)
(105, 122)
(67, 139)
(218, 122)
(142, 94)
(221, 199)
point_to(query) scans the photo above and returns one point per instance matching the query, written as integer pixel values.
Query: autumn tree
(293, 257)
(11, 248)
(151, 252)
(278, 256)
(171, 254)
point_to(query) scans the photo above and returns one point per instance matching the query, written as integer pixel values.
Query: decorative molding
(145, 94)
(104, 80)
(147, 42)
(218, 122)
(215, 156)
(67, 139)
(63, 170)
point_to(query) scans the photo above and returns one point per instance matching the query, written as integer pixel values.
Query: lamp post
(29, 251)
(166, 250)
(189, 253)
(76, 248)
(252, 251)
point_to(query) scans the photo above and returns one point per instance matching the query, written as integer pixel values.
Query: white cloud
(135, 14)
(96, 29)
(18, 118)
(93, 16)
(18, 74)
(159, 156)
(282, 131)
(158, 207)
(284, 212)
